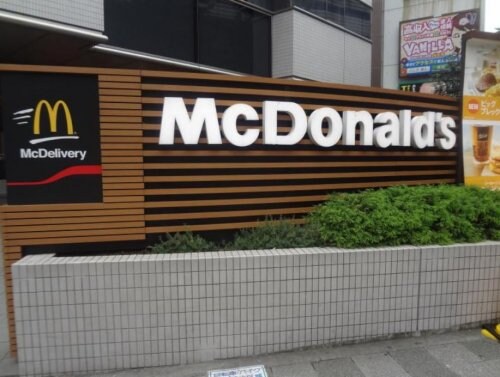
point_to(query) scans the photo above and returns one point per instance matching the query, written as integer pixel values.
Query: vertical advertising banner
(430, 45)
(52, 142)
(481, 110)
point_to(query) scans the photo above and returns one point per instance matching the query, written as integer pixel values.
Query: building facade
(327, 40)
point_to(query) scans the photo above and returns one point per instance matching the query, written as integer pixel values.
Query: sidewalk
(455, 354)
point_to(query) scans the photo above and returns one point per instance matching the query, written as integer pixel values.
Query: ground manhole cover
(252, 371)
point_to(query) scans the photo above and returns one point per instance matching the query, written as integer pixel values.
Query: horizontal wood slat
(221, 214)
(272, 177)
(228, 202)
(299, 164)
(284, 188)
(213, 227)
(283, 93)
(284, 153)
(61, 240)
(310, 85)
(17, 231)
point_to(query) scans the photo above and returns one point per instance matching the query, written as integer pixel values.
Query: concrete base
(118, 312)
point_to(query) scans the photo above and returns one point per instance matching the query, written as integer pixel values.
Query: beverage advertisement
(481, 110)
(431, 45)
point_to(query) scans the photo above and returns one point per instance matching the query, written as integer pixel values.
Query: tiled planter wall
(114, 312)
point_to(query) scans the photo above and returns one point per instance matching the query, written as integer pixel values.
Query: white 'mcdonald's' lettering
(384, 130)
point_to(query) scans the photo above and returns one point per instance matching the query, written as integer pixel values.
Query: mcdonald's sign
(53, 148)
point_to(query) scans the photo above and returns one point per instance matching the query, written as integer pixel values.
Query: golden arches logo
(52, 112)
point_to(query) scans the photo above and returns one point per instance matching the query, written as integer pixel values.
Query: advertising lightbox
(481, 110)
(429, 45)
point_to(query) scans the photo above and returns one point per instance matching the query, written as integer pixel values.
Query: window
(165, 28)
(354, 15)
(218, 33)
(233, 37)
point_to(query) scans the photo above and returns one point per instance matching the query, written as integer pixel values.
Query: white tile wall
(83, 13)
(308, 48)
(84, 314)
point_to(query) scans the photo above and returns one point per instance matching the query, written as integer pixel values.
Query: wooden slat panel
(119, 78)
(224, 226)
(63, 214)
(119, 85)
(229, 202)
(165, 152)
(120, 152)
(284, 93)
(118, 98)
(108, 179)
(121, 159)
(74, 220)
(25, 236)
(132, 236)
(123, 199)
(222, 214)
(121, 132)
(294, 83)
(120, 112)
(122, 173)
(123, 192)
(68, 69)
(120, 93)
(299, 164)
(123, 186)
(273, 177)
(120, 119)
(116, 105)
(6, 209)
(12, 232)
(284, 188)
(121, 126)
(121, 146)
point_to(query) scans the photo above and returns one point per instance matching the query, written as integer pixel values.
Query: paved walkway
(455, 354)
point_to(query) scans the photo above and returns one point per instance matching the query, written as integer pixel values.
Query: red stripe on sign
(68, 172)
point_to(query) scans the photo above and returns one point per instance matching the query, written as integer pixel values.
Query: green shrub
(182, 243)
(276, 234)
(416, 215)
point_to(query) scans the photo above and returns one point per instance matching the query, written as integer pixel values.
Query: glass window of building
(219, 33)
(234, 37)
(354, 15)
(165, 28)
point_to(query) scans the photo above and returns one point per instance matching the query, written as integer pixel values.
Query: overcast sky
(492, 15)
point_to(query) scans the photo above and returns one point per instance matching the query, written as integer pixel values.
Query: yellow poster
(481, 112)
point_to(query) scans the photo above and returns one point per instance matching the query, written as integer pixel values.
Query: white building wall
(308, 48)
(396, 11)
(88, 14)
(282, 44)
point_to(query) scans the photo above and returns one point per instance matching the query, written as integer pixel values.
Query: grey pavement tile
(4, 350)
(294, 370)
(338, 368)
(485, 349)
(379, 365)
(460, 360)
(418, 362)
(8, 367)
